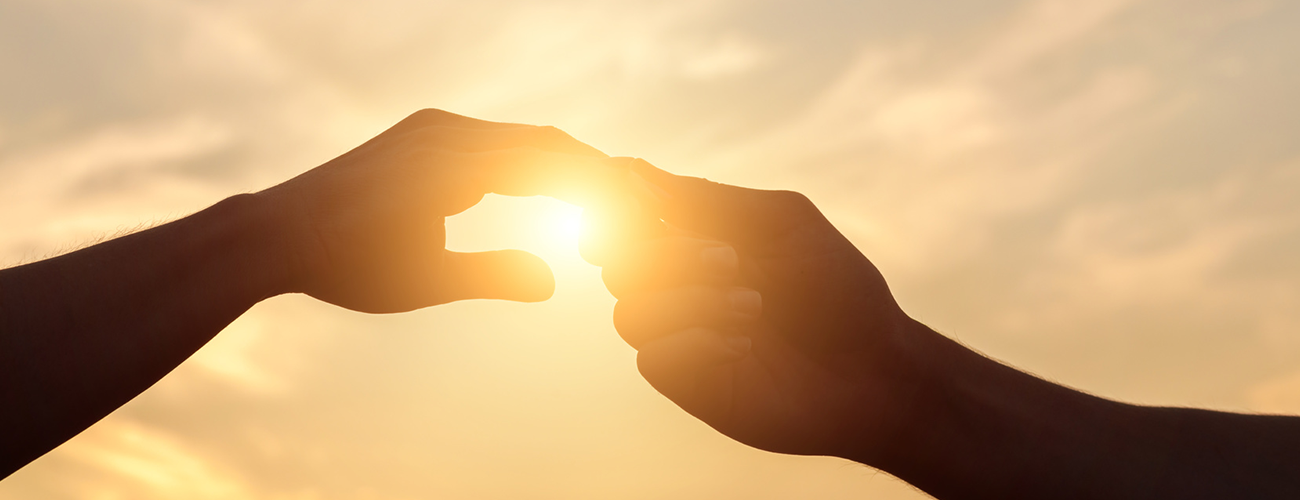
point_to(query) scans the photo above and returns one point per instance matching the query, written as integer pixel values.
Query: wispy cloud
(1102, 191)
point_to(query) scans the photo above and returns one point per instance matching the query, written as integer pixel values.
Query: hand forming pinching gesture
(83, 333)
(753, 313)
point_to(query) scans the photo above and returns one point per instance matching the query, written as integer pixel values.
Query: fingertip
(534, 277)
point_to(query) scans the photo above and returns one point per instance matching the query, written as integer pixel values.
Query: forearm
(985, 430)
(83, 333)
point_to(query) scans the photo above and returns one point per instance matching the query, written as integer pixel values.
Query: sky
(1102, 193)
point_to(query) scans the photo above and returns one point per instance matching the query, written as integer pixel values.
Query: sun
(568, 226)
(543, 226)
(555, 232)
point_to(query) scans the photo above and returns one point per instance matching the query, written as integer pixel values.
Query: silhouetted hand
(752, 313)
(83, 333)
(757, 316)
(365, 231)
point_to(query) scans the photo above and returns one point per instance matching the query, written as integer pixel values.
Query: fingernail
(721, 258)
(746, 301)
(740, 344)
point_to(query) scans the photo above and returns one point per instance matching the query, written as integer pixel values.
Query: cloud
(230, 357)
(1103, 192)
(730, 55)
(949, 150)
(1280, 395)
(144, 463)
(114, 161)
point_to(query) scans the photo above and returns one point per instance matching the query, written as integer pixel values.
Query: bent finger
(582, 180)
(683, 366)
(667, 262)
(731, 213)
(430, 118)
(644, 318)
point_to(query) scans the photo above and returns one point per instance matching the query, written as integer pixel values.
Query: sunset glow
(568, 227)
(537, 224)
(1105, 193)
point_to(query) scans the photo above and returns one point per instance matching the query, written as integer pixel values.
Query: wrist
(270, 241)
(928, 370)
(978, 428)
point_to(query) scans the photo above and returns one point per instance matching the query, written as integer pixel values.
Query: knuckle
(791, 197)
(794, 201)
(427, 115)
(551, 132)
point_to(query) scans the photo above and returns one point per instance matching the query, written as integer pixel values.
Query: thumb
(501, 274)
(723, 211)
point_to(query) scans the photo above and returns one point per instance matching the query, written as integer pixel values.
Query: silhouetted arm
(981, 429)
(754, 314)
(83, 333)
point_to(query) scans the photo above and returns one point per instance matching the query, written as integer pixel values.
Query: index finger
(423, 122)
(466, 140)
(430, 117)
(731, 213)
(583, 180)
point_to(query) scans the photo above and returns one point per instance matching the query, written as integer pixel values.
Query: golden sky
(1105, 193)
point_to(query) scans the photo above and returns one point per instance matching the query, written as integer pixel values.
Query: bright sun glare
(544, 226)
(568, 224)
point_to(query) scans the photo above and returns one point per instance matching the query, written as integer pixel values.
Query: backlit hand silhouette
(754, 314)
(83, 333)
(365, 231)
